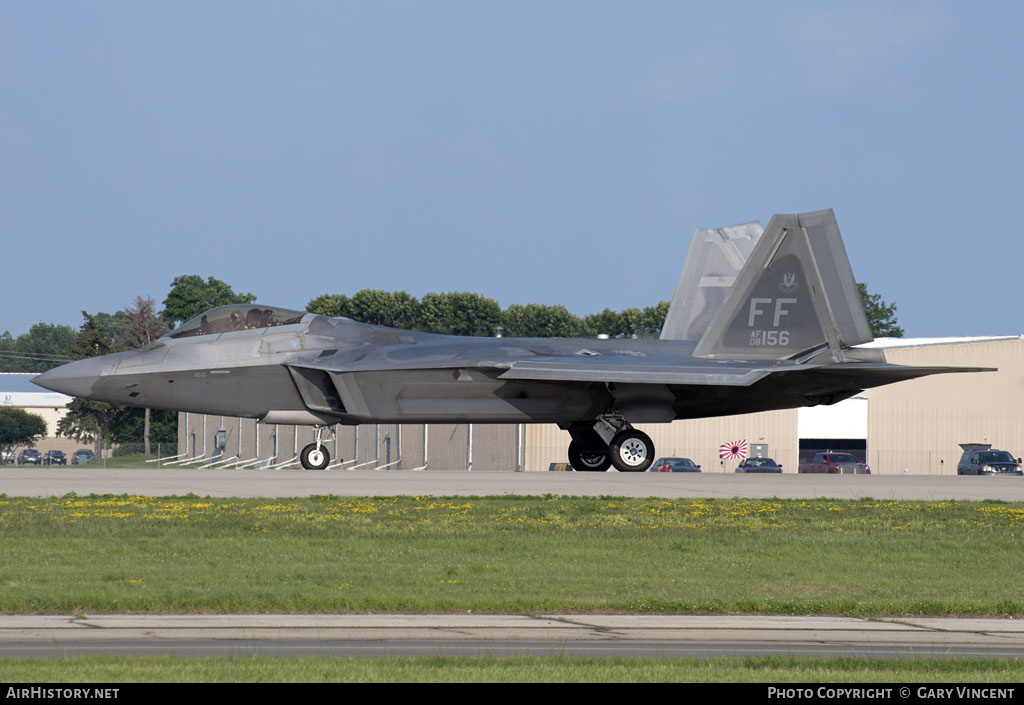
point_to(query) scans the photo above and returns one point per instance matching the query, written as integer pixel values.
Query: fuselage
(321, 370)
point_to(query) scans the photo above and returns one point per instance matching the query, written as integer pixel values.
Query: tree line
(467, 313)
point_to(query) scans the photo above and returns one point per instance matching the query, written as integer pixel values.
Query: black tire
(313, 459)
(631, 451)
(588, 462)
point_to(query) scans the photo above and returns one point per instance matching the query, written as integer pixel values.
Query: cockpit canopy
(226, 319)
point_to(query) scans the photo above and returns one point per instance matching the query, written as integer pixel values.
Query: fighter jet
(765, 319)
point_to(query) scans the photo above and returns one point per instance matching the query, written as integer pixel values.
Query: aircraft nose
(75, 379)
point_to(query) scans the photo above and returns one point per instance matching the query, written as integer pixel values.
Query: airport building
(910, 427)
(17, 391)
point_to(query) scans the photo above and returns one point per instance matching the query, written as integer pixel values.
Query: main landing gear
(315, 455)
(610, 441)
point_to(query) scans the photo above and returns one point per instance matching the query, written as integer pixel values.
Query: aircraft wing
(566, 370)
(863, 375)
(635, 373)
(565, 360)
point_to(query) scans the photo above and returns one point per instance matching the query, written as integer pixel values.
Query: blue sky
(534, 152)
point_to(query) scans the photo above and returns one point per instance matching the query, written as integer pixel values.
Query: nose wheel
(313, 458)
(315, 455)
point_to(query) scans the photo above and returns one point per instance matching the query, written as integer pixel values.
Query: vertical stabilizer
(713, 262)
(795, 294)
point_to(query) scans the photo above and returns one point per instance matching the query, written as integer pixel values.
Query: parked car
(82, 456)
(30, 456)
(674, 465)
(7, 456)
(985, 461)
(835, 463)
(55, 457)
(758, 465)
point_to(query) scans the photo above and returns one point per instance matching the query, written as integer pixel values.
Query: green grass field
(513, 669)
(510, 554)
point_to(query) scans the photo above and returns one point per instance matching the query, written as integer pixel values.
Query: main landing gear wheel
(631, 451)
(314, 457)
(587, 462)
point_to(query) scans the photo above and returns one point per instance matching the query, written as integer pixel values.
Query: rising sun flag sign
(733, 450)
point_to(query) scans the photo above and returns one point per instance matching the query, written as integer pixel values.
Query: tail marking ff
(795, 294)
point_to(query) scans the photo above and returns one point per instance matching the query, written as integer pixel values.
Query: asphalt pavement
(21, 481)
(465, 634)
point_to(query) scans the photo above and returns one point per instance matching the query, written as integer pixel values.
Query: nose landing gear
(315, 455)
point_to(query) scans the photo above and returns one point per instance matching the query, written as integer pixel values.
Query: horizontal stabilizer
(876, 375)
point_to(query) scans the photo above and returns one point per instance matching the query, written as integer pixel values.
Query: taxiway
(22, 481)
(23, 636)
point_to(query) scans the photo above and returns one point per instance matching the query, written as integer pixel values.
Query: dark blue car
(758, 465)
(30, 456)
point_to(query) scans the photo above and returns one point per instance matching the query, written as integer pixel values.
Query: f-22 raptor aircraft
(760, 320)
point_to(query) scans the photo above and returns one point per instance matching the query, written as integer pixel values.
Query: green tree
(141, 324)
(628, 323)
(652, 320)
(95, 337)
(394, 309)
(45, 346)
(467, 313)
(191, 296)
(19, 427)
(141, 327)
(331, 305)
(459, 313)
(8, 357)
(129, 426)
(88, 421)
(881, 315)
(632, 322)
(111, 327)
(607, 322)
(539, 321)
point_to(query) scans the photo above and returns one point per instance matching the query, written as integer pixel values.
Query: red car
(835, 463)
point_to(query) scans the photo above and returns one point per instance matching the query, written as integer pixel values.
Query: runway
(20, 481)
(23, 636)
